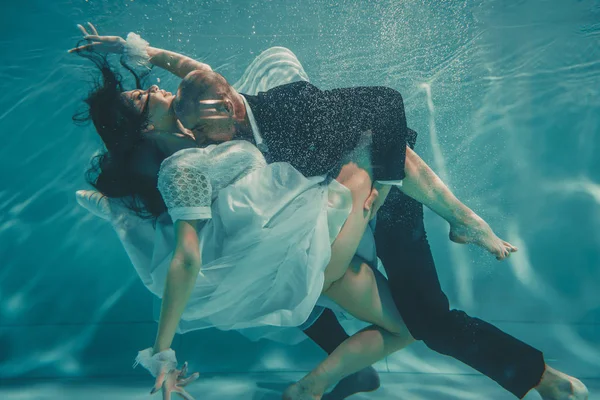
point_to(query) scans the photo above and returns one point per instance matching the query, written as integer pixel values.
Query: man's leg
(404, 250)
(327, 332)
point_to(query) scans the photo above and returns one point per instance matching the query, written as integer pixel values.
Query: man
(314, 130)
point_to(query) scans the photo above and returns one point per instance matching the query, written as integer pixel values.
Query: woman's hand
(175, 63)
(174, 381)
(372, 199)
(100, 44)
(382, 192)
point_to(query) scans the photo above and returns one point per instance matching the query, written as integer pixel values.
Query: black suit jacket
(314, 129)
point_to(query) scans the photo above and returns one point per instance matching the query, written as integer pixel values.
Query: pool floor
(268, 386)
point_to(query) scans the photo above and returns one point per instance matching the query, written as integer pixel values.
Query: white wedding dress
(265, 237)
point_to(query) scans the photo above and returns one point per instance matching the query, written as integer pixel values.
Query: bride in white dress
(264, 234)
(255, 244)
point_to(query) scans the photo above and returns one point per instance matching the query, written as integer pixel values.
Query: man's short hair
(195, 93)
(203, 85)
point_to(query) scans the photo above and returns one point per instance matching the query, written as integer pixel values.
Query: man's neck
(244, 128)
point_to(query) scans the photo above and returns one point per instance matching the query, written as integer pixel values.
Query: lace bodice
(190, 179)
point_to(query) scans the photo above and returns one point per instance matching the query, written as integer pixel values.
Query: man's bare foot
(365, 380)
(556, 385)
(473, 229)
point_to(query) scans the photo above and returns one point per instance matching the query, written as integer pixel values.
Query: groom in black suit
(314, 130)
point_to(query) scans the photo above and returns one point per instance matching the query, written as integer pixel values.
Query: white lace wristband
(156, 363)
(136, 50)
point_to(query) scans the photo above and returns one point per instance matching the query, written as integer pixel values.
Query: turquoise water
(506, 100)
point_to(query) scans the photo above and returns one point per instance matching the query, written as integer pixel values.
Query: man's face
(209, 118)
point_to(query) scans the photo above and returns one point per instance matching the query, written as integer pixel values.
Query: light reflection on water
(505, 98)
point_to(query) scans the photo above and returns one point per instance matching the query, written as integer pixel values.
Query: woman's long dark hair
(121, 126)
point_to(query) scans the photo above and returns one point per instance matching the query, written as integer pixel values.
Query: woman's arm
(175, 63)
(181, 278)
(160, 360)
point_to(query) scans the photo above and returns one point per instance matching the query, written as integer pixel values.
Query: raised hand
(100, 44)
(174, 381)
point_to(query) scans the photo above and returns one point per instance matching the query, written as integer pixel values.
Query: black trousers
(404, 250)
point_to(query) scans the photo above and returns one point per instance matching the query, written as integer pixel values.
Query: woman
(136, 128)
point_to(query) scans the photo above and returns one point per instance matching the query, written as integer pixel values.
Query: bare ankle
(319, 379)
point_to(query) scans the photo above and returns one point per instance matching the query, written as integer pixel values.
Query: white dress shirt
(262, 146)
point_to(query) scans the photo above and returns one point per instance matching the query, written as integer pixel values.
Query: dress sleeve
(185, 189)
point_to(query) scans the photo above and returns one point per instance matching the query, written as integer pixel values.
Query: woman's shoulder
(236, 146)
(190, 156)
(233, 149)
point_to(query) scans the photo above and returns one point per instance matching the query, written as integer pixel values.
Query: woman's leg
(365, 295)
(344, 247)
(356, 290)
(328, 334)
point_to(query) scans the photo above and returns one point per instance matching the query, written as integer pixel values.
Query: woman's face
(158, 103)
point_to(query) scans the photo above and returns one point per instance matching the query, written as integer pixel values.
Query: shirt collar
(254, 126)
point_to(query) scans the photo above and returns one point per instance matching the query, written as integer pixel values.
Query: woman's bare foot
(300, 391)
(365, 380)
(556, 385)
(311, 387)
(473, 229)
